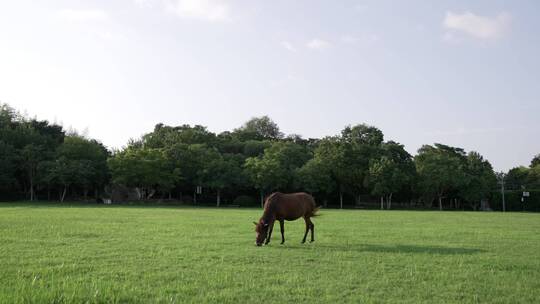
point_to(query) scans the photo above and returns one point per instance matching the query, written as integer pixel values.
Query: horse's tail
(316, 211)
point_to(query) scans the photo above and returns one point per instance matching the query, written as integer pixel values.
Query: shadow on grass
(399, 248)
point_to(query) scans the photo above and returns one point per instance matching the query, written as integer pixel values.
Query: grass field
(98, 254)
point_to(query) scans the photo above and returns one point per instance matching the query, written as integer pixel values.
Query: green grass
(61, 253)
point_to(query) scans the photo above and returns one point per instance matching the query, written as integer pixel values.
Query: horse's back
(295, 205)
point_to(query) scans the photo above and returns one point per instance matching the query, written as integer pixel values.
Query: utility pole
(501, 177)
(502, 192)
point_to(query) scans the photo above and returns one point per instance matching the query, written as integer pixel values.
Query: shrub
(513, 201)
(245, 201)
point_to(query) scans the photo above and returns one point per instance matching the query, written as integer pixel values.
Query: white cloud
(145, 3)
(481, 27)
(287, 45)
(83, 15)
(209, 10)
(318, 44)
(365, 38)
(349, 39)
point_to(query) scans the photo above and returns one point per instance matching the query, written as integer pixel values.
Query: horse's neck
(269, 214)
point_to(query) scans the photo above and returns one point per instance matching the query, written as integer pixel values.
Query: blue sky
(463, 73)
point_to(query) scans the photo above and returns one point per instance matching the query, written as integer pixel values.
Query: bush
(245, 201)
(187, 199)
(513, 201)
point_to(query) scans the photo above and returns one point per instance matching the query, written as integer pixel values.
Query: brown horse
(281, 207)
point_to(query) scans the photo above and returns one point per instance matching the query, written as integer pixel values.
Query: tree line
(41, 160)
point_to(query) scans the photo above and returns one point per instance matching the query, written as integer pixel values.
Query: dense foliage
(38, 157)
(40, 160)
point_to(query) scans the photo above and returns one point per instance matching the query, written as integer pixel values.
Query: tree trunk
(262, 199)
(195, 197)
(218, 200)
(48, 193)
(151, 194)
(63, 194)
(139, 193)
(382, 202)
(340, 199)
(389, 202)
(440, 202)
(85, 194)
(325, 203)
(31, 189)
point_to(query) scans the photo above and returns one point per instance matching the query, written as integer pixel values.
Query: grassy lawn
(98, 254)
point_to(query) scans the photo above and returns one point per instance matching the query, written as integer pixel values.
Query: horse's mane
(269, 207)
(272, 196)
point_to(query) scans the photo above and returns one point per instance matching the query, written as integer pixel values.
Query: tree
(362, 134)
(362, 143)
(36, 142)
(165, 136)
(147, 170)
(259, 128)
(212, 169)
(92, 156)
(479, 179)
(264, 174)
(66, 172)
(192, 164)
(224, 171)
(31, 156)
(7, 115)
(391, 172)
(535, 161)
(275, 169)
(331, 157)
(533, 178)
(440, 169)
(316, 177)
(8, 161)
(253, 148)
(227, 143)
(517, 178)
(9, 155)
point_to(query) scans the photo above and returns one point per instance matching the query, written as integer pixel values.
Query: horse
(281, 206)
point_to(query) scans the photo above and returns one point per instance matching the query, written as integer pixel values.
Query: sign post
(525, 194)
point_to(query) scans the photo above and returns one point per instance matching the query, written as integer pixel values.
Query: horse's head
(262, 232)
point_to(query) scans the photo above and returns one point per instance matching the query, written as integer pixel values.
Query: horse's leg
(282, 226)
(312, 230)
(270, 229)
(306, 219)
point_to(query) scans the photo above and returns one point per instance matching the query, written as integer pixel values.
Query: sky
(462, 73)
